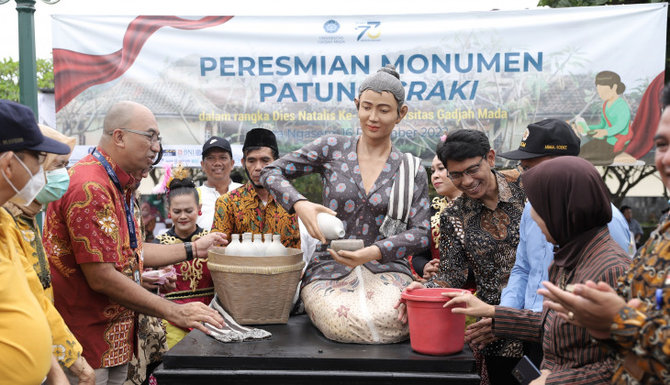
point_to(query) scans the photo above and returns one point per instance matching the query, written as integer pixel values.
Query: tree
(9, 77)
(627, 177)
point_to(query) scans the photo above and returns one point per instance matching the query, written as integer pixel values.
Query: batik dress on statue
(354, 305)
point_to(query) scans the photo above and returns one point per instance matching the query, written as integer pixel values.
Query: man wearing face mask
(29, 318)
(251, 208)
(66, 347)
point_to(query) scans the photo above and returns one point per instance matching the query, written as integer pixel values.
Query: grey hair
(386, 79)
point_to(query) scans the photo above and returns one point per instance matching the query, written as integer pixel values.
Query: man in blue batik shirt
(544, 140)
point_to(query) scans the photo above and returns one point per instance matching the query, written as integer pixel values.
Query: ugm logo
(369, 30)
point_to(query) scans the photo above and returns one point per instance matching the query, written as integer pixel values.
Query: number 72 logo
(369, 29)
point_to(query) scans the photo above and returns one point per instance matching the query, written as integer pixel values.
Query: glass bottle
(234, 247)
(275, 248)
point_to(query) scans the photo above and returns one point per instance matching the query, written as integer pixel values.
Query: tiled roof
(163, 98)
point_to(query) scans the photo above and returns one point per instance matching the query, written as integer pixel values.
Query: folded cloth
(232, 331)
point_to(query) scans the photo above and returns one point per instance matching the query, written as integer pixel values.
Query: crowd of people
(551, 264)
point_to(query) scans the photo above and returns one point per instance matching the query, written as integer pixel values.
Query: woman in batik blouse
(194, 281)
(358, 173)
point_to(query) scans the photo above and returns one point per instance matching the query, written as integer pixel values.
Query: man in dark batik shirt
(480, 232)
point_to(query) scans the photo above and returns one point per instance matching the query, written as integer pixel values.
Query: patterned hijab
(570, 196)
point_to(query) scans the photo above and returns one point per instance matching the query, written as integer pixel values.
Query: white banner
(494, 71)
(187, 155)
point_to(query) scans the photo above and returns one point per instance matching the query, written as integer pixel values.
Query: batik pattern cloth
(242, 210)
(66, 348)
(363, 301)
(336, 160)
(474, 237)
(641, 337)
(88, 225)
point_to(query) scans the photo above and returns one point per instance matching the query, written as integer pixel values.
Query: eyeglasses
(470, 171)
(151, 135)
(40, 155)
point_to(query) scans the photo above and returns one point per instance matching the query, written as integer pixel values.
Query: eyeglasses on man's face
(470, 171)
(151, 135)
(40, 155)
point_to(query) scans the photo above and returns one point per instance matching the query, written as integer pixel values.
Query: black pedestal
(297, 353)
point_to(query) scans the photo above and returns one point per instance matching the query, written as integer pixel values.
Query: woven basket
(256, 290)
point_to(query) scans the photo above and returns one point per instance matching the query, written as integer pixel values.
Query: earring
(169, 216)
(199, 212)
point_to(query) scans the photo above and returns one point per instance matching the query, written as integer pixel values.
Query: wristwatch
(189, 250)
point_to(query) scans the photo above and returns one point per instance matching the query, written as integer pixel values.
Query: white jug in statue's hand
(331, 227)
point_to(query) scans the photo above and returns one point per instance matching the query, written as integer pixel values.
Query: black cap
(216, 142)
(551, 137)
(261, 137)
(19, 131)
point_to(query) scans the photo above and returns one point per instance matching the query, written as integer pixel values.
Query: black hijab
(571, 198)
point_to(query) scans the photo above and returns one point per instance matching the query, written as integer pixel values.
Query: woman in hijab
(571, 205)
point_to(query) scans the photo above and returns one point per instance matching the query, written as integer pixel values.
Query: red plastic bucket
(433, 329)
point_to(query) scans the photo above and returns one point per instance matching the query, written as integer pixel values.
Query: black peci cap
(261, 137)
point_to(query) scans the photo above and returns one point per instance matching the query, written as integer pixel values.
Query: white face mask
(28, 193)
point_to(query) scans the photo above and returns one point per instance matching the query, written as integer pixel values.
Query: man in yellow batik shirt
(25, 336)
(66, 348)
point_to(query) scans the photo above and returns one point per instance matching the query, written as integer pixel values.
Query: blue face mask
(58, 181)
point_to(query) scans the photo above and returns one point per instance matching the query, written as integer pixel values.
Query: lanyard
(659, 292)
(129, 212)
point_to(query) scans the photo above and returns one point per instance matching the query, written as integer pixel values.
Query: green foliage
(310, 186)
(45, 73)
(9, 77)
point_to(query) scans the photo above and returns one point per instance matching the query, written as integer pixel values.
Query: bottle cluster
(252, 245)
